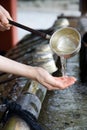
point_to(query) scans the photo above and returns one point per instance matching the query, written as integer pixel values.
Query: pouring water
(66, 42)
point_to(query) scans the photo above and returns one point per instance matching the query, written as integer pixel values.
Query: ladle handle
(44, 35)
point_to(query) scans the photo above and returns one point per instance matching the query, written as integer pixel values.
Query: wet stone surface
(66, 109)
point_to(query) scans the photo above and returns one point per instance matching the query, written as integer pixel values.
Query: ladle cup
(64, 42)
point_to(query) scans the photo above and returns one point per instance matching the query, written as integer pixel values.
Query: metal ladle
(64, 42)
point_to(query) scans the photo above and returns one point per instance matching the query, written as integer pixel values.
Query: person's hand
(35, 73)
(53, 83)
(4, 16)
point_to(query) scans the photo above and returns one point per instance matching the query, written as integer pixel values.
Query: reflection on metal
(62, 22)
(66, 42)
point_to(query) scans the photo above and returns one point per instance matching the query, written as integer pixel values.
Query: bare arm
(35, 73)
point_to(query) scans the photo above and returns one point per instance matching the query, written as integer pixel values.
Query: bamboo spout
(31, 101)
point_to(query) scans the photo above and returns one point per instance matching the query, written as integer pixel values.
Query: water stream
(63, 64)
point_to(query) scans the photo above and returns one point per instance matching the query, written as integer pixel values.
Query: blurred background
(42, 13)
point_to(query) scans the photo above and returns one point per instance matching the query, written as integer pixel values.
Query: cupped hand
(53, 83)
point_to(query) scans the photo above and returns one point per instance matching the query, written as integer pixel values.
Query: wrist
(32, 73)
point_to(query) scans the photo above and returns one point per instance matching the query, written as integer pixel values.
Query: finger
(3, 28)
(5, 12)
(68, 83)
(49, 87)
(4, 16)
(64, 82)
(66, 78)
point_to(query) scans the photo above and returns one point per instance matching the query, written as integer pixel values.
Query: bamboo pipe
(31, 101)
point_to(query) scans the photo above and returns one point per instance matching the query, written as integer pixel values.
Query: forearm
(13, 67)
(35, 73)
